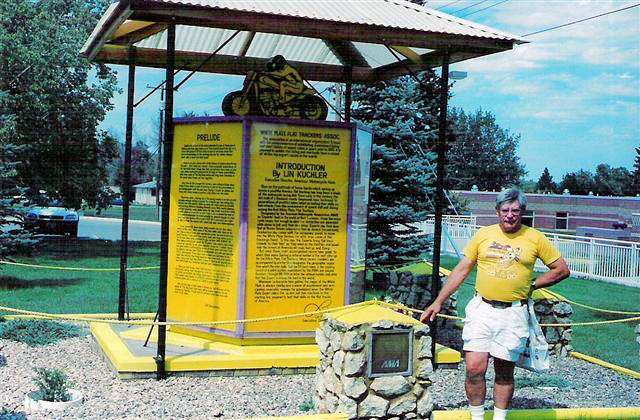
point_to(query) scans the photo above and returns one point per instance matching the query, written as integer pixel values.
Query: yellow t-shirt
(505, 260)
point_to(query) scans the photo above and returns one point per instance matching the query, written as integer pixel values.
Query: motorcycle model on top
(277, 92)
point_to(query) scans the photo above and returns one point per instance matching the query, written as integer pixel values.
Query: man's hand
(430, 313)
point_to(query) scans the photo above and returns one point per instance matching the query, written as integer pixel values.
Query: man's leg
(475, 384)
(503, 388)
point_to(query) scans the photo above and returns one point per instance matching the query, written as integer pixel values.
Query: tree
(578, 183)
(545, 183)
(403, 115)
(53, 102)
(13, 239)
(612, 181)
(143, 166)
(635, 177)
(481, 153)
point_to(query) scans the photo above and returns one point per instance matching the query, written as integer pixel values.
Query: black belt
(501, 305)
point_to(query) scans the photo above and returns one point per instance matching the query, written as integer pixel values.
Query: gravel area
(581, 384)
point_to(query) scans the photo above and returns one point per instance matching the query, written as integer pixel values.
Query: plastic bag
(536, 354)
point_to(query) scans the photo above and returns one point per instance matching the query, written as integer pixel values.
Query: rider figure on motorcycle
(282, 77)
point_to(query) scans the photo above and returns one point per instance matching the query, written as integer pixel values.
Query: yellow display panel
(297, 223)
(204, 222)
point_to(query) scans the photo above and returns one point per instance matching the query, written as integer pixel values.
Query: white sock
(477, 412)
(499, 413)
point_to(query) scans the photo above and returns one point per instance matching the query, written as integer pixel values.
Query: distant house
(565, 212)
(146, 193)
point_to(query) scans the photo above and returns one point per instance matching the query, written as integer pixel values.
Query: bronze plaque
(390, 352)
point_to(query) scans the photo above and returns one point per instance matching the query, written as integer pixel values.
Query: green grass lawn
(615, 343)
(58, 291)
(136, 212)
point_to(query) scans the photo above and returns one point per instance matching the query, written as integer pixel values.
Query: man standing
(496, 318)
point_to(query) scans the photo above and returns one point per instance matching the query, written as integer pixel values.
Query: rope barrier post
(126, 186)
(441, 151)
(166, 202)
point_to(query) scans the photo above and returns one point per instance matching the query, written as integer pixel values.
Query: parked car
(56, 220)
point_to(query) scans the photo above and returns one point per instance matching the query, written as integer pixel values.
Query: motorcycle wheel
(314, 108)
(235, 104)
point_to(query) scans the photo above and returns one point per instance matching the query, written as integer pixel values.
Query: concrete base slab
(124, 349)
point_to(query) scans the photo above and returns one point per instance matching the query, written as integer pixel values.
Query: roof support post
(126, 188)
(439, 201)
(166, 202)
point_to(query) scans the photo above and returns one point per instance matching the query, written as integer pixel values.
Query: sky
(572, 93)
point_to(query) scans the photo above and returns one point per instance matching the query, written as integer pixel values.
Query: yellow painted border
(238, 357)
(332, 416)
(602, 363)
(617, 413)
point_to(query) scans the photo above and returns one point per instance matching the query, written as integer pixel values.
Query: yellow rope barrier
(51, 267)
(44, 315)
(575, 324)
(559, 297)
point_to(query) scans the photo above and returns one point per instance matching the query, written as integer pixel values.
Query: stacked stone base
(342, 383)
(554, 312)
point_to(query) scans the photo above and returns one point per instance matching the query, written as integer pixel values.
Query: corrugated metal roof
(330, 40)
(398, 14)
(207, 40)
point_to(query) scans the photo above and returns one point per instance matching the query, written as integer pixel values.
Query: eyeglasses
(512, 211)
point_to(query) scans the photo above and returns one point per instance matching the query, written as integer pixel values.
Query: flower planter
(32, 401)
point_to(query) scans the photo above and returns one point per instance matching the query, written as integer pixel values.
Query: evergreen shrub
(38, 332)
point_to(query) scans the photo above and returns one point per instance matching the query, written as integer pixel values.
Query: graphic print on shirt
(503, 258)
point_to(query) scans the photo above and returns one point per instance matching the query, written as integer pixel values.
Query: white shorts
(501, 332)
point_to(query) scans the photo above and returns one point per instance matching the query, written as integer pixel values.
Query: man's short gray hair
(511, 194)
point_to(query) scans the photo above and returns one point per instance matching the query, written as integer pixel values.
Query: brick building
(564, 212)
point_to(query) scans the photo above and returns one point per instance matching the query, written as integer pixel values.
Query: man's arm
(457, 276)
(558, 271)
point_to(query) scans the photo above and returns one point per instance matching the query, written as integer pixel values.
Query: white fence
(602, 259)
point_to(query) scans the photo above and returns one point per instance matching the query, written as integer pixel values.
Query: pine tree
(545, 183)
(403, 115)
(13, 239)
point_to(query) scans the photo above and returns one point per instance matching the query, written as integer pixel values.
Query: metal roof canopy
(331, 40)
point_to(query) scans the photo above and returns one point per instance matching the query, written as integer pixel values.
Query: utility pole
(338, 97)
(159, 160)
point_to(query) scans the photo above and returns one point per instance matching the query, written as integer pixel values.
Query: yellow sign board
(204, 224)
(259, 223)
(298, 208)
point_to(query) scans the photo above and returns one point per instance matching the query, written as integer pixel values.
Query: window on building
(153, 192)
(562, 220)
(527, 218)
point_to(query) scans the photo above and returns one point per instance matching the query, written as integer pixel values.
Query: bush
(7, 414)
(307, 405)
(542, 380)
(38, 332)
(52, 384)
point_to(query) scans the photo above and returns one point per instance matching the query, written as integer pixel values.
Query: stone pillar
(342, 381)
(551, 311)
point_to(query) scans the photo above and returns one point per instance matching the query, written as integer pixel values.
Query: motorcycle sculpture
(277, 92)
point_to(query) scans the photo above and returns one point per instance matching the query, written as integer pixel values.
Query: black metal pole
(126, 186)
(439, 201)
(166, 201)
